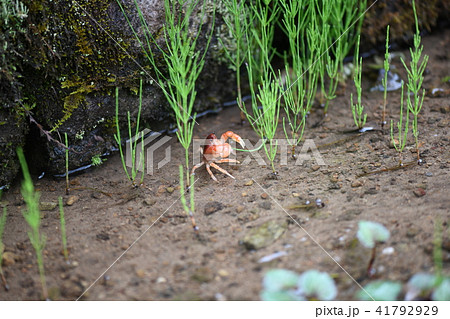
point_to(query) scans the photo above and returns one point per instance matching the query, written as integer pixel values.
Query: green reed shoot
(263, 16)
(295, 111)
(67, 164)
(133, 140)
(63, 229)
(402, 131)
(384, 80)
(237, 23)
(415, 79)
(301, 83)
(358, 108)
(2, 246)
(189, 209)
(32, 216)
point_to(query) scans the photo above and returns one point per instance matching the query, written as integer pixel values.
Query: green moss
(77, 55)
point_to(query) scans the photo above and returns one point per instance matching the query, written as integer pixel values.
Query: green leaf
(316, 284)
(277, 280)
(381, 290)
(422, 281)
(369, 233)
(442, 293)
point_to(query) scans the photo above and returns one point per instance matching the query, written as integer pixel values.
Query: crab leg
(221, 170)
(233, 136)
(227, 160)
(210, 173)
(196, 166)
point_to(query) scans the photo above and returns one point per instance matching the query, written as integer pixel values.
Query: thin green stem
(63, 228)
(32, 216)
(67, 164)
(386, 71)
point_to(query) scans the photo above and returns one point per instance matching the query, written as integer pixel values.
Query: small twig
(92, 189)
(388, 169)
(342, 140)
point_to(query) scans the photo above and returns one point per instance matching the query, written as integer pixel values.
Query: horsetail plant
(297, 98)
(385, 80)
(63, 229)
(133, 143)
(184, 63)
(399, 145)
(262, 14)
(237, 23)
(344, 21)
(358, 108)
(191, 208)
(295, 112)
(267, 116)
(2, 246)
(265, 88)
(415, 79)
(32, 216)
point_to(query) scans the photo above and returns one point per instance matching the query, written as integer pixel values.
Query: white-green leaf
(369, 233)
(442, 292)
(381, 290)
(280, 279)
(316, 284)
(422, 281)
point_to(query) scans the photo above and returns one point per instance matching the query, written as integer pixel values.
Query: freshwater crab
(216, 150)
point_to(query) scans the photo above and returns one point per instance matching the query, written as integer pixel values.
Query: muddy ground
(162, 259)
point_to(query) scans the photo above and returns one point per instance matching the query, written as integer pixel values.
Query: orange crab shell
(214, 148)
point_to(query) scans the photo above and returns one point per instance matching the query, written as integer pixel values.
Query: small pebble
(9, 258)
(170, 190)
(334, 178)
(419, 192)
(149, 201)
(249, 183)
(140, 273)
(315, 167)
(244, 194)
(47, 206)
(388, 251)
(428, 174)
(357, 183)
(264, 196)
(223, 273)
(295, 194)
(71, 200)
(161, 280)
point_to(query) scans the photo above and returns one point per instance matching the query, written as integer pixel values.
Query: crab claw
(233, 136)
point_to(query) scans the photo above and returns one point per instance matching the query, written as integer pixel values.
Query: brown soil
(167, 261)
